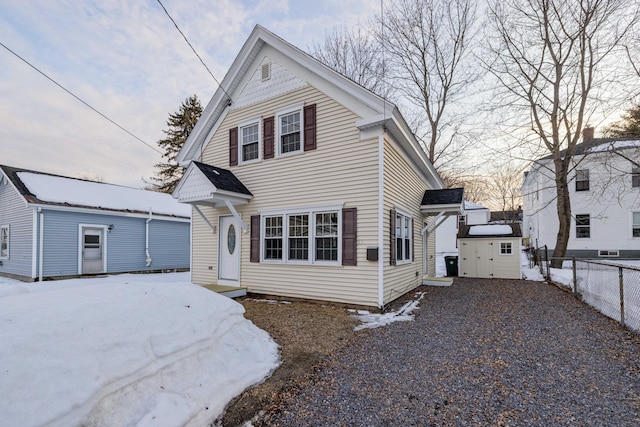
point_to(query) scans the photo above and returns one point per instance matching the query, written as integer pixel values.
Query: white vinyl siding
(404, 188)
(342, 170)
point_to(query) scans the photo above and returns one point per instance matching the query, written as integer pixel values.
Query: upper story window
(635, 176)
(582, 180)
(289, 130)
(583, 226)
(249, 140)
(635, 226)
(4, 242)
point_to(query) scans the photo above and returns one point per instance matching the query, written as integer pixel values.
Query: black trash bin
(452, 266)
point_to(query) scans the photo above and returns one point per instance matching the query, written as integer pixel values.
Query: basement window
(608, 253)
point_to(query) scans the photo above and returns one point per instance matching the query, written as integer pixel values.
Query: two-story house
(305, 184)
(604, 185)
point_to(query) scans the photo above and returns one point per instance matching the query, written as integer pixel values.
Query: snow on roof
(77, 192)
(490, 230)
(614, 145)
(470, 206)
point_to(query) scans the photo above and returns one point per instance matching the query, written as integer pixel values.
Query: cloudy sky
(126, 59)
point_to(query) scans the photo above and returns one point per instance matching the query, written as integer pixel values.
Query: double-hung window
(636, 224)
(583, 226)
(635, 176)
(289, 126)
(403, 238)
(4, 242)
(273, 235)
(309, 237)
(250, 141)
(582, 180)
(326, 238)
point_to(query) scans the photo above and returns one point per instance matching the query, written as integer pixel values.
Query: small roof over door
(448, 201)
(208, 185)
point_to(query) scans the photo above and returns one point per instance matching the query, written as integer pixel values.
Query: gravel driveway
(481, 352)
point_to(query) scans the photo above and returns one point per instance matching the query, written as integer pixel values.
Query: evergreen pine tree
(628, 126)
(180, 126)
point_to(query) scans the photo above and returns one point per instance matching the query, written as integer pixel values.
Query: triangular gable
(294, 67)
(257, 89)
(204, 184)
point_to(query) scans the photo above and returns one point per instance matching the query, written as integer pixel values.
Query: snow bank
(490, 230)
(125, 351)
(100, 195)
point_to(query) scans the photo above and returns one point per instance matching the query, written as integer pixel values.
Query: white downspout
(41, 248)
(148, 260)
(381, 213)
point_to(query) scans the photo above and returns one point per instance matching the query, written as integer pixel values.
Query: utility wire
(192, 48)
(77, 97)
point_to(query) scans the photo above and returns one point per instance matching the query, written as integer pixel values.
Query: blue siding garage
(55, 231)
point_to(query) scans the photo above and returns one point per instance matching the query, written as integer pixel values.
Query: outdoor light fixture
(110, 227)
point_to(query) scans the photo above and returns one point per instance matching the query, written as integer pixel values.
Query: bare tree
(427, 43)
(356, 55)
(504, 188)
(549, 58)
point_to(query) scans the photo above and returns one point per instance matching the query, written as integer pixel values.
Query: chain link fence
(612, 289)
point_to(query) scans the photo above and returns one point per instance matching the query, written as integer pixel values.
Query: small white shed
(490, 251)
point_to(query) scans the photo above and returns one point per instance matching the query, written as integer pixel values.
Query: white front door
(229, 251)
(92, 250)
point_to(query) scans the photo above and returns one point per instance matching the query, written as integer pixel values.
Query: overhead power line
(78, 98)
(192, 48)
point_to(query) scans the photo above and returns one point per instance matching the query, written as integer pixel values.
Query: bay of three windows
(288, 134)
(306, 237)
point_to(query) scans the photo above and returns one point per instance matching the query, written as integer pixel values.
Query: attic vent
(266, 71)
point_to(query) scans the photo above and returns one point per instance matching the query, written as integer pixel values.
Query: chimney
(587, 133)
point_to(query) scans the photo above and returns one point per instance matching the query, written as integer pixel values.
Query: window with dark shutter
(255, 239)
(233, 147)
(268, 137)
(349, 236)
(310, 127)
(392, 229)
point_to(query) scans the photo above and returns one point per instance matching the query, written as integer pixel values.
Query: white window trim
(285, 214)
(299, 107)
(8, 234)
(407, 214)
(575, 228)
(244, 124)
(608, 255)
(632, 224)
(510, 246)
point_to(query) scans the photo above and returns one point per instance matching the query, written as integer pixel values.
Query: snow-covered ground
(124, 350)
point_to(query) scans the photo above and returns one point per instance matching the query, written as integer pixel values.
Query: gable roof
(209, 185)
(374, 110)
(41, 188)
(598, 145)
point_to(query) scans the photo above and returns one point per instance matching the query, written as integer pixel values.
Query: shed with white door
(56, 226)
(490, 251)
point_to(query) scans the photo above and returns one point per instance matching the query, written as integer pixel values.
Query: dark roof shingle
(223, 179)
(447, 196)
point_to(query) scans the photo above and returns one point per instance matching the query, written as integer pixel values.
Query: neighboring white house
(605, 200)
(305, 184)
